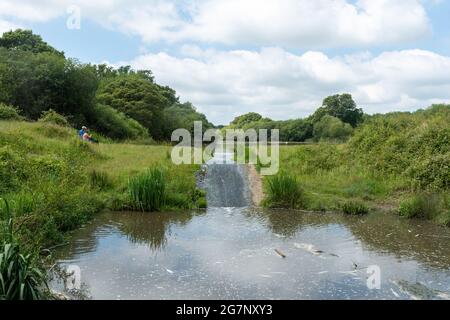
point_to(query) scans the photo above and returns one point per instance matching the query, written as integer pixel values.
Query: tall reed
(148, 190)
(285, 191)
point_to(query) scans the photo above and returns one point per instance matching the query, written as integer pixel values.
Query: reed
(148, 190)
(285, 191)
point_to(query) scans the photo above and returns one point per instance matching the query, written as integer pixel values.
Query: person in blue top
(82, 132)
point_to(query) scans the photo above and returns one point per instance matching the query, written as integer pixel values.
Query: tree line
(120, 103)
(335, 120)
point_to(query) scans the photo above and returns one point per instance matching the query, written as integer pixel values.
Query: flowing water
(234, 251)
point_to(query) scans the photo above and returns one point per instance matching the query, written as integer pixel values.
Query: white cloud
(6, 26)
(283, 85)
(287, 23)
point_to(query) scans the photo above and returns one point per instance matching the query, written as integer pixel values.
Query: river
(235, 251)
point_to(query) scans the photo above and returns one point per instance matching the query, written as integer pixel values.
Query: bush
(422, 205)
(433, 173)
(53, 117)
(116, 125)
(284, 191)
(148, 190)
(9, 113)
(330, 128)
(355, 208)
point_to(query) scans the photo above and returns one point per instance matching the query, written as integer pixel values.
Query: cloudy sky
(276, 57)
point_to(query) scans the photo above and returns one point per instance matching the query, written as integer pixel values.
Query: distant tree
(183, 116)
(245, 119)
(27, 41)
(330, 128)
(298, 130)
(341, 106)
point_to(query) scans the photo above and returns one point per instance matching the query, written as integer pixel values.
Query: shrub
(117, 125)
(148, 190)
(9, 113)
(284, 191)
(355, 208)
(433, 173)
(424, 205)
(51, 116)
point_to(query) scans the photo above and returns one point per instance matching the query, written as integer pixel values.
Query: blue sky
(279, 58)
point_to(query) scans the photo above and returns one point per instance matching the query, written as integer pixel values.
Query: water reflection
(229, 253)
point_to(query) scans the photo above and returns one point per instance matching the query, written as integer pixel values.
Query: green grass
(284, 191)
(355, 208)
(423, 205)
(148, 190)
(332, 180)
(56, 183)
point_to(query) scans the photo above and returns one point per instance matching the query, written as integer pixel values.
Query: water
(228, 252)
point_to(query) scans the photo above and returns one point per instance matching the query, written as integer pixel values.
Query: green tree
(241, 121)
(330, 128)
(341, 106)
(137, 97)
(26, 40)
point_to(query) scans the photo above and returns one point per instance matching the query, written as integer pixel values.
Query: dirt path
(256, 185)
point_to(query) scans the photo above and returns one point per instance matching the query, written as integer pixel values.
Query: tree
(330, 128)
(245, 119)
(340, 106)
(183, 116)
(138, 98)
(27, 41)
(38, 82)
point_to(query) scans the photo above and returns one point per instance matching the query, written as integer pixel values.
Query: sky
(280, 58)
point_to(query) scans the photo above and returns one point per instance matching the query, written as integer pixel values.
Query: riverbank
(395, 161)
(330, 179)
(55, 183)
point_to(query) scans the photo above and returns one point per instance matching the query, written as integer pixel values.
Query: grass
(284, 191)
(355, 208)
(56, 183)
(148, 190)
(331, 180)
(423, 205)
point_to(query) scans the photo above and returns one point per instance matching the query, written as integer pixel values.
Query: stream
(235, 251)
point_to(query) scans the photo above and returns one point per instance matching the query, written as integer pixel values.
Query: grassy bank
(397, 162)
(54, 182)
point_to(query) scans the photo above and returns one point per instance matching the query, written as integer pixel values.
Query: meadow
(54, 182)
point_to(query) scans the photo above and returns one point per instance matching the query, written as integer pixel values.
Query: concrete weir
(226, 182)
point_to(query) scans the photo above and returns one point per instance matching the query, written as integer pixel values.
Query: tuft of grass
(148, 190)
(422, 205)
(100, 180)
(355, 208)
(284, 191)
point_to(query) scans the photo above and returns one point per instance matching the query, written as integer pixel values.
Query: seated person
(82, 132)
(88, 137)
